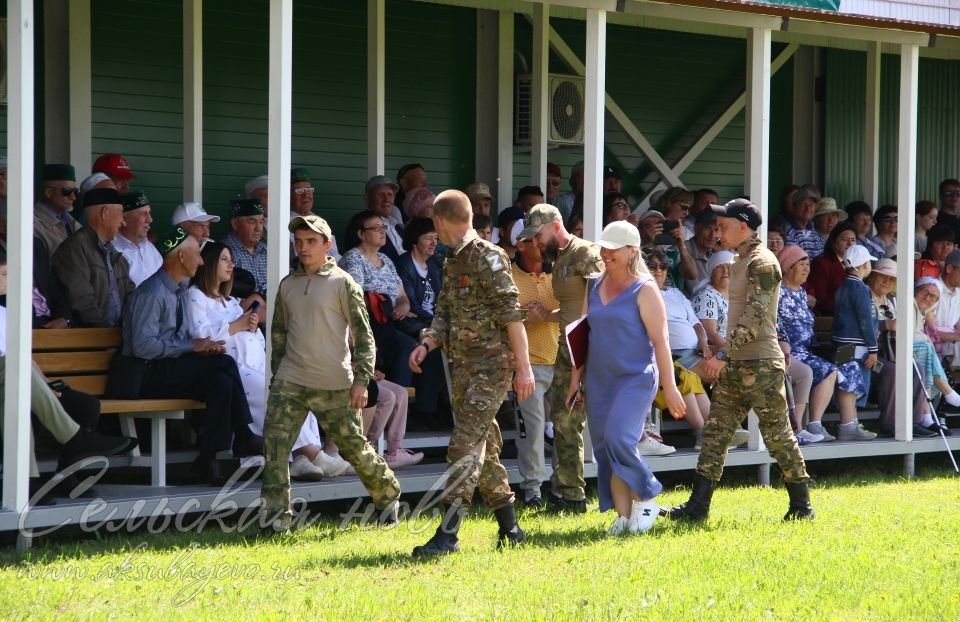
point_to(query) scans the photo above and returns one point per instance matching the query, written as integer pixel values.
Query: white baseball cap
(618, 234)
(856, 256)
(515, 232)
(192, 211)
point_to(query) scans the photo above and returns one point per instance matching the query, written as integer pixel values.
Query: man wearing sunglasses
(52, 221)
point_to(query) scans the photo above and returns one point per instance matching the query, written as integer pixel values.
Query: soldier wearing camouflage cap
(573, 261)
(315, 370)
(478, 321)
(750, 368)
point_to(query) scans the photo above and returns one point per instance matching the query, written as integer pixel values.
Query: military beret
(134, 200)
(59, 172)
(245, 207)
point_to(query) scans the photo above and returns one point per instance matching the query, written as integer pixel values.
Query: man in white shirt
(140, 253)
(948, 311)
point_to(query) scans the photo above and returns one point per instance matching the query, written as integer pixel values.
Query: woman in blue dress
(629, 352)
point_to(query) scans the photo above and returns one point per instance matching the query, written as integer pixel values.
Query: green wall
(429, 98)
(938, 125)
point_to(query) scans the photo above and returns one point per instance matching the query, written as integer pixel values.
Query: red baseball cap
(115, 165)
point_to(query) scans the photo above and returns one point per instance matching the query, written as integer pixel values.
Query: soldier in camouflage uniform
(754, 376)
(573, 260)
(318, 308)
(478, 321)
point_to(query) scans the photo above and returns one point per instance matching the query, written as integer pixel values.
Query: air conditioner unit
(564, 107)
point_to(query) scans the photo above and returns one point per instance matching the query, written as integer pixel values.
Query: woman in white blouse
(213, 313)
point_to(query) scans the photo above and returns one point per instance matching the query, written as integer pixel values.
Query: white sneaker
(740, 436)
(619, 526)
(652, 447)
(302, 468)
(642, 516)
(808, 437)
(332, 466)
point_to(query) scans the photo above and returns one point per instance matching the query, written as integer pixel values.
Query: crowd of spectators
(192, 309)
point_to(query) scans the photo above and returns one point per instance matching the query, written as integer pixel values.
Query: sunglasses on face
(952, 194)
(67, 191)
(655, 266)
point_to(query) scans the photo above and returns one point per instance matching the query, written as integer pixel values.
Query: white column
(376, 44)
(193, 100)
(505, 111)
(594, 110)
(758, 121)
(280, 87)
(540, 113)
(906, 197)
(871, 134)
(81, 106)
(20, 133)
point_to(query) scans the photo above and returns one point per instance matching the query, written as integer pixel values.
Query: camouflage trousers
(287, 409)
(475, 442)
(567, 480)
(744, 385)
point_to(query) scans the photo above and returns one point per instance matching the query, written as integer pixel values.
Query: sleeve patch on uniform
(496, 263)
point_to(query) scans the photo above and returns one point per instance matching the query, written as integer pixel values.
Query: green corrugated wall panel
(137, 94)
(938, 125)
(664, 81)
(430, 109)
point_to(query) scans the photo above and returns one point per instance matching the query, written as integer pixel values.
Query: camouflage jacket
(314, 317)
(754, 296)
(478, 300)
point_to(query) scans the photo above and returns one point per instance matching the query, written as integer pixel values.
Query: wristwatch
(721, 355)
(424, 344)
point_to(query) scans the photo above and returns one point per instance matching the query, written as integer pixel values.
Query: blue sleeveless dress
(621, 381)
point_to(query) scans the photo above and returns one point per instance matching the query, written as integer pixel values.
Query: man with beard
(573, 260)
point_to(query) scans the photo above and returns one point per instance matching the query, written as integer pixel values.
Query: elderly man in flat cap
(140, 253)
(245, 240)
(52, 221)
(94, 274)
(160, 359)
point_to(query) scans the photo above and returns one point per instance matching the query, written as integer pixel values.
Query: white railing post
(540, 113)
(193, 100)
(278, 144)
(594, 111)
(376, 106)
(20, 136)
(906, 196)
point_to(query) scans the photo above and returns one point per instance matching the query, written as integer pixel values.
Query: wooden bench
(81, 357)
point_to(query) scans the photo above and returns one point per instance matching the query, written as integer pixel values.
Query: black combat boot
(510, 533)
(445, 539)
(800, 507)
(698, 506)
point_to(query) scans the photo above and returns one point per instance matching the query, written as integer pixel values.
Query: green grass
(881, 549)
